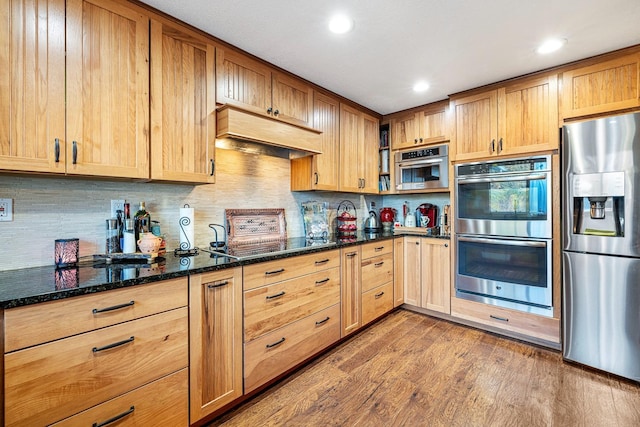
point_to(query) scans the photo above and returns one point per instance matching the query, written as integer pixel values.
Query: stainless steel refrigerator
(601, 244)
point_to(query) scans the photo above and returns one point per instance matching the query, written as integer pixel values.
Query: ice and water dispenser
(598, 204)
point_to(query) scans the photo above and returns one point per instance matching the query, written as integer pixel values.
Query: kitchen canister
(186, 228)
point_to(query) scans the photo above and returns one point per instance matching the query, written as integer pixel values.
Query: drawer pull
(324, 261)
(278, 295)
(503, 319)
(274, 271)
(379, 248)
(320, 282)
(113, 307)
(378, 264)
(320, 322)
(218, 285)
(114, 345)
(116, 418)
(379, 295)
(280, 341)
(352, 254)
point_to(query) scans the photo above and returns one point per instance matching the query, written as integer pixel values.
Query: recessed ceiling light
(421, 86)
(340, 24)
(551, 45)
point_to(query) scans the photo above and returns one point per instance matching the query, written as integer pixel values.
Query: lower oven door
(511, 273)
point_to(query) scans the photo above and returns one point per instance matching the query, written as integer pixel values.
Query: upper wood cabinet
(320, 172)
(359, 139)
(519, 118)
(32, 97)
(107, 89)
(601, 88)
(182, 105)
(254, 86)
(423, 127)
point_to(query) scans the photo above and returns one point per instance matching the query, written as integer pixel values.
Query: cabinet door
(412, 270)
(351, 137)
(182, 105)
(404, 131)
(528, 116)
(291, 99)
(243, 82)
(369, 154)
(436, 282)
(433, 126)
(351, 290)
(215, 324)
(602, 88)
(32, 85)
(398, 271)
(107, 90)
(476, 126)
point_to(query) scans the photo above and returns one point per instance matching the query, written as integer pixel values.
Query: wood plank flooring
(414, 370)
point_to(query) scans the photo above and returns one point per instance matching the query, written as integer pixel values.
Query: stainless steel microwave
(422, 169)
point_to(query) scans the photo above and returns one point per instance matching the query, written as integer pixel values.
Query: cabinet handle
(446, 245)
(269, 110)
(500, 145)
(352, 254)
(275, 113)
(320, 282)
(113, 307)
(322, 261)
(56, 150)
(274, 272)
(502, 319)
(278, 295)
(114, 345)
(493, 145)
(421, 139)
(213, 167)
(418, 243)
(218, 285)
(280, 341)
(378, 264)
(415, 141)
(379, 248)
(116, 418)
(75, 152)
(320, 322)
(315, 175)
(379, 295)
(364, 182)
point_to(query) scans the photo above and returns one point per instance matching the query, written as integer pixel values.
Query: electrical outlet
(116, 205)
(6, 209)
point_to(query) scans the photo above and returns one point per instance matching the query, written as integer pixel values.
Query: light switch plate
(116, 205)
(6, 209)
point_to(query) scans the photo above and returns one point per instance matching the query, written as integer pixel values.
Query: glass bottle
(142, 221)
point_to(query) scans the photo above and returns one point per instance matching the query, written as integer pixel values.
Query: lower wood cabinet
(351, 290)
(426, 268)
(215, 303)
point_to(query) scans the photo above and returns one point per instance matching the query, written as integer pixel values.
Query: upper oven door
(513, 204)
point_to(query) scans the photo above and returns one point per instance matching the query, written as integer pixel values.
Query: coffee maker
(426, 215)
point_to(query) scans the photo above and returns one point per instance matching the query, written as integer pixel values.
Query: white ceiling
(454, 45)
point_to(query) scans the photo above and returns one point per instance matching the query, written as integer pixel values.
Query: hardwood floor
(415, 370)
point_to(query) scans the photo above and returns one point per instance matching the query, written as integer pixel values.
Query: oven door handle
(419, 162)
(509, 178)
(527, 243)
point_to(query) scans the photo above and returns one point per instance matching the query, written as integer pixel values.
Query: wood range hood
(254, 133)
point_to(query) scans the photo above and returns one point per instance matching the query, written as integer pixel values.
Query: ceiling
(454, 45)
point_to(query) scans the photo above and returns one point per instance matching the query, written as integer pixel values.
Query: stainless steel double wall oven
(503, 233)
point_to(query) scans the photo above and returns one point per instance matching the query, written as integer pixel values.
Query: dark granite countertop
(41, 284)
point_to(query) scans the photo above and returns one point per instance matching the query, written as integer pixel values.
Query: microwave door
(421, 174)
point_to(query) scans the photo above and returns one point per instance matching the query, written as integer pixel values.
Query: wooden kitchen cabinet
(603, 87)
(377, 279)
(518, 118)
(254, 86)
(359, 140)
(215, 338)
(138, 340)
(417, 128)
(351, 290)
(320, 172)
(427, 273)
(107, 89)
(398, 271)
(183, 125)
(32, 99)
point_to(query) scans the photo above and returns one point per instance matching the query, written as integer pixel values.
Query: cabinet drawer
(162, 402)
(523, 323)
(37, 324)
(377, 248)
(270, 355)
(49, 382)
(377, 271)
(269, 307)
(266, 273)
(377, 302)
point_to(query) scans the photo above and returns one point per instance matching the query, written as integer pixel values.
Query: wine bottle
(142, 220)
